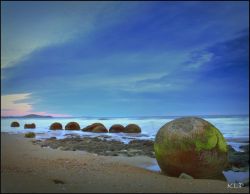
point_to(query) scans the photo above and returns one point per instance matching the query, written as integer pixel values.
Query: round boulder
(15, 124)
(99, 129)
(116, 128)
(72, 126)
(191, 145)
(132, 128)
(30, 126)
(90, 128)
(55, 126)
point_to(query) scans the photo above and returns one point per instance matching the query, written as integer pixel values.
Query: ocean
(234, 128)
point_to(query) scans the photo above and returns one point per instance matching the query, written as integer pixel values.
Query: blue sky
(124, 58)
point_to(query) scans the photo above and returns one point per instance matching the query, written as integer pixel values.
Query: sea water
(235, 129)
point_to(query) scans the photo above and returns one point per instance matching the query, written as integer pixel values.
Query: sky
(123, 59)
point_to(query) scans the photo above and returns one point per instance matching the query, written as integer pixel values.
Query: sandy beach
(30, 168)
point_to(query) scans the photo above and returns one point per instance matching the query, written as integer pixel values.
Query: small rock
(246, 182)
(185, 176)
(57, 181)
(245, 148)
(30, 135)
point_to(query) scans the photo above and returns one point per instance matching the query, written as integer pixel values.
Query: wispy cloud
(17, 105)
(11, 105)
(197, 59)
(61, 23)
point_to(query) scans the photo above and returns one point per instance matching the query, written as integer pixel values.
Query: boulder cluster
(95, 127)
(26, 126)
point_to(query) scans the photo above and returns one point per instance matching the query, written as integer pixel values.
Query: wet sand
(30, 168)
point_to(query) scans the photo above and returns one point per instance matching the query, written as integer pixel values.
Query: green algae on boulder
(191, 145)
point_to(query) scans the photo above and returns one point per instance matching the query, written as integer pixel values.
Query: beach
(26, 167)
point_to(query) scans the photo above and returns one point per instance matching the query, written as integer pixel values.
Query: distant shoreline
(106, 118)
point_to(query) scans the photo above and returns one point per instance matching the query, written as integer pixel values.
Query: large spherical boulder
(30, 126)
(132, 128)
(72, 126)
(90, 128)
(15, 124)
(99, 129)
(116, 128)
(191, 145)
(56, 126)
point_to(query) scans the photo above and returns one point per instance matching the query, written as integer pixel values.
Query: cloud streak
(15, 105)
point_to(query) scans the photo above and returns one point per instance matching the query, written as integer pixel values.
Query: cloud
(14, 105)
(197, 59)
(29, 27)
(11, 105)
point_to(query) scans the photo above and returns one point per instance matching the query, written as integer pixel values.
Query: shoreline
(30, 168)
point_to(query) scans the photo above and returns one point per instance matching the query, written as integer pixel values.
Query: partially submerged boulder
(100, 129)
(193, 146)
(30, 126)
(30, 135)
(117, 128)
(55, 126)
(132, 128)
(15, 124)
(90, 128)
(72, 126)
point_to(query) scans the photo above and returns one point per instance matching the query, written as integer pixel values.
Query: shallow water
(234, 128)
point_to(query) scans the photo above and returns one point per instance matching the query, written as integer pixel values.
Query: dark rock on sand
(191, 145)
(245, 148)
(132, 128)
(185, 176)
(30, 126)
(246, 183)
(15, 124)
(92, 126)
(238, 160)
(55, 126)
(116, 128)
(30, 135)
(72, 126)
(101, 146)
